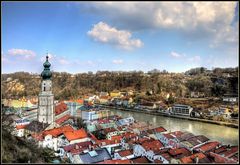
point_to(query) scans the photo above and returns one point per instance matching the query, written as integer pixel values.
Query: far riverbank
(175, 116)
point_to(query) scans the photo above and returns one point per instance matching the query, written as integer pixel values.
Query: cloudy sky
(91, 36)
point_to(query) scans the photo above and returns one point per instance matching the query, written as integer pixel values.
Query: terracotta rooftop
(63, 119)
(21, 126)
(125, 153)
(220, 149)
(190, 159)
(117, 137)
(115, 162)
(60, 108)
(208, 146)
(108, 130)
(58, 131)
(140, 160)
(152, 145)
(179, 151)
(156, 130)
(233, 150)
(76, 134)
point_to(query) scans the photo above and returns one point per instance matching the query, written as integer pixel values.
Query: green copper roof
(46, 73)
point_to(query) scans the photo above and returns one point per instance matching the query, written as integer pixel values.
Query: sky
(119, 36)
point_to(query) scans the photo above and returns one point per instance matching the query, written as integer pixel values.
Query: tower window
(44, 88)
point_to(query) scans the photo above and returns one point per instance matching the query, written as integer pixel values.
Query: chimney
(197, 159)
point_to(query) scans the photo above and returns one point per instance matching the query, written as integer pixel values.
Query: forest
(209, 83)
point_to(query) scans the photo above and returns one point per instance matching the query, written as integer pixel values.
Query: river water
(223, 134)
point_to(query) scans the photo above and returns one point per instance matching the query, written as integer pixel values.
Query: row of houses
(113, 139)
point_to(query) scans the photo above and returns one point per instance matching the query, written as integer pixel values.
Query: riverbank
(175, 116)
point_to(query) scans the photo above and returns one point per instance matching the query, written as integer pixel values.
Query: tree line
(214, 82)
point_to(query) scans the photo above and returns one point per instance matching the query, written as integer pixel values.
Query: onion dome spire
(46, 73)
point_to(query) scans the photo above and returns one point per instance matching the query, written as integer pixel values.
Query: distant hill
(214, 82)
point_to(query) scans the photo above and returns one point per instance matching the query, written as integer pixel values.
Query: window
(44, 88)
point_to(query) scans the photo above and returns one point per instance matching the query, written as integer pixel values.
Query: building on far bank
(179, 109)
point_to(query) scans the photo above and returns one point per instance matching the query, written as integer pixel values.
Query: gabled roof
(140, 160)
(21, 126)
(58, 131)
(115, 162)
(190, 159)
(78, 147)
(179, 152)
(60, 108)
(63, 119)
(208, 146)
(125, 153)
(152, 145)
(185, 136)
(76, 134)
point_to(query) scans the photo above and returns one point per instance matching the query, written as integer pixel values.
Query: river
(223, 134)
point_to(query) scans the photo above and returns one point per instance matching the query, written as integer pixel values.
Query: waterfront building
(46, 105)
(179, 109)
(232, 98)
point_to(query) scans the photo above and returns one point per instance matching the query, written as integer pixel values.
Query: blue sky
(92, 36)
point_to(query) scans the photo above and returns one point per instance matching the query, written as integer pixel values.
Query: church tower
(46, 98)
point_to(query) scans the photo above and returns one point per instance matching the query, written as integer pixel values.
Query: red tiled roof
(117, 137)
(158, 161)
(60, 108)
(152, 145)
(220, 159)
(81, 145)
(168, 135)
(115, 162)
(62, 119)
(190, 159)
(21, 126)
(107, 142)
(232, 151)
(76, 134)
(57, 131)
(129, 135)
(177, 133)
(160, 129)
(166, 156)
(178, 151)
(38, 137)
(140, 160)
(125, 153)
(80, 101)
(208, 146)
(220, 149)
(108, 130)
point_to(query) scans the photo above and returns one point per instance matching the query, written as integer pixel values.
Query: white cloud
(174, 54)
(117, 61)
(104, 33)
(204, 19)
(27, 54)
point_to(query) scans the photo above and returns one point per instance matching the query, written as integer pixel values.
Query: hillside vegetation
(209, 83)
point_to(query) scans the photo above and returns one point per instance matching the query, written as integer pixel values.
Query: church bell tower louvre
(46, 98)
